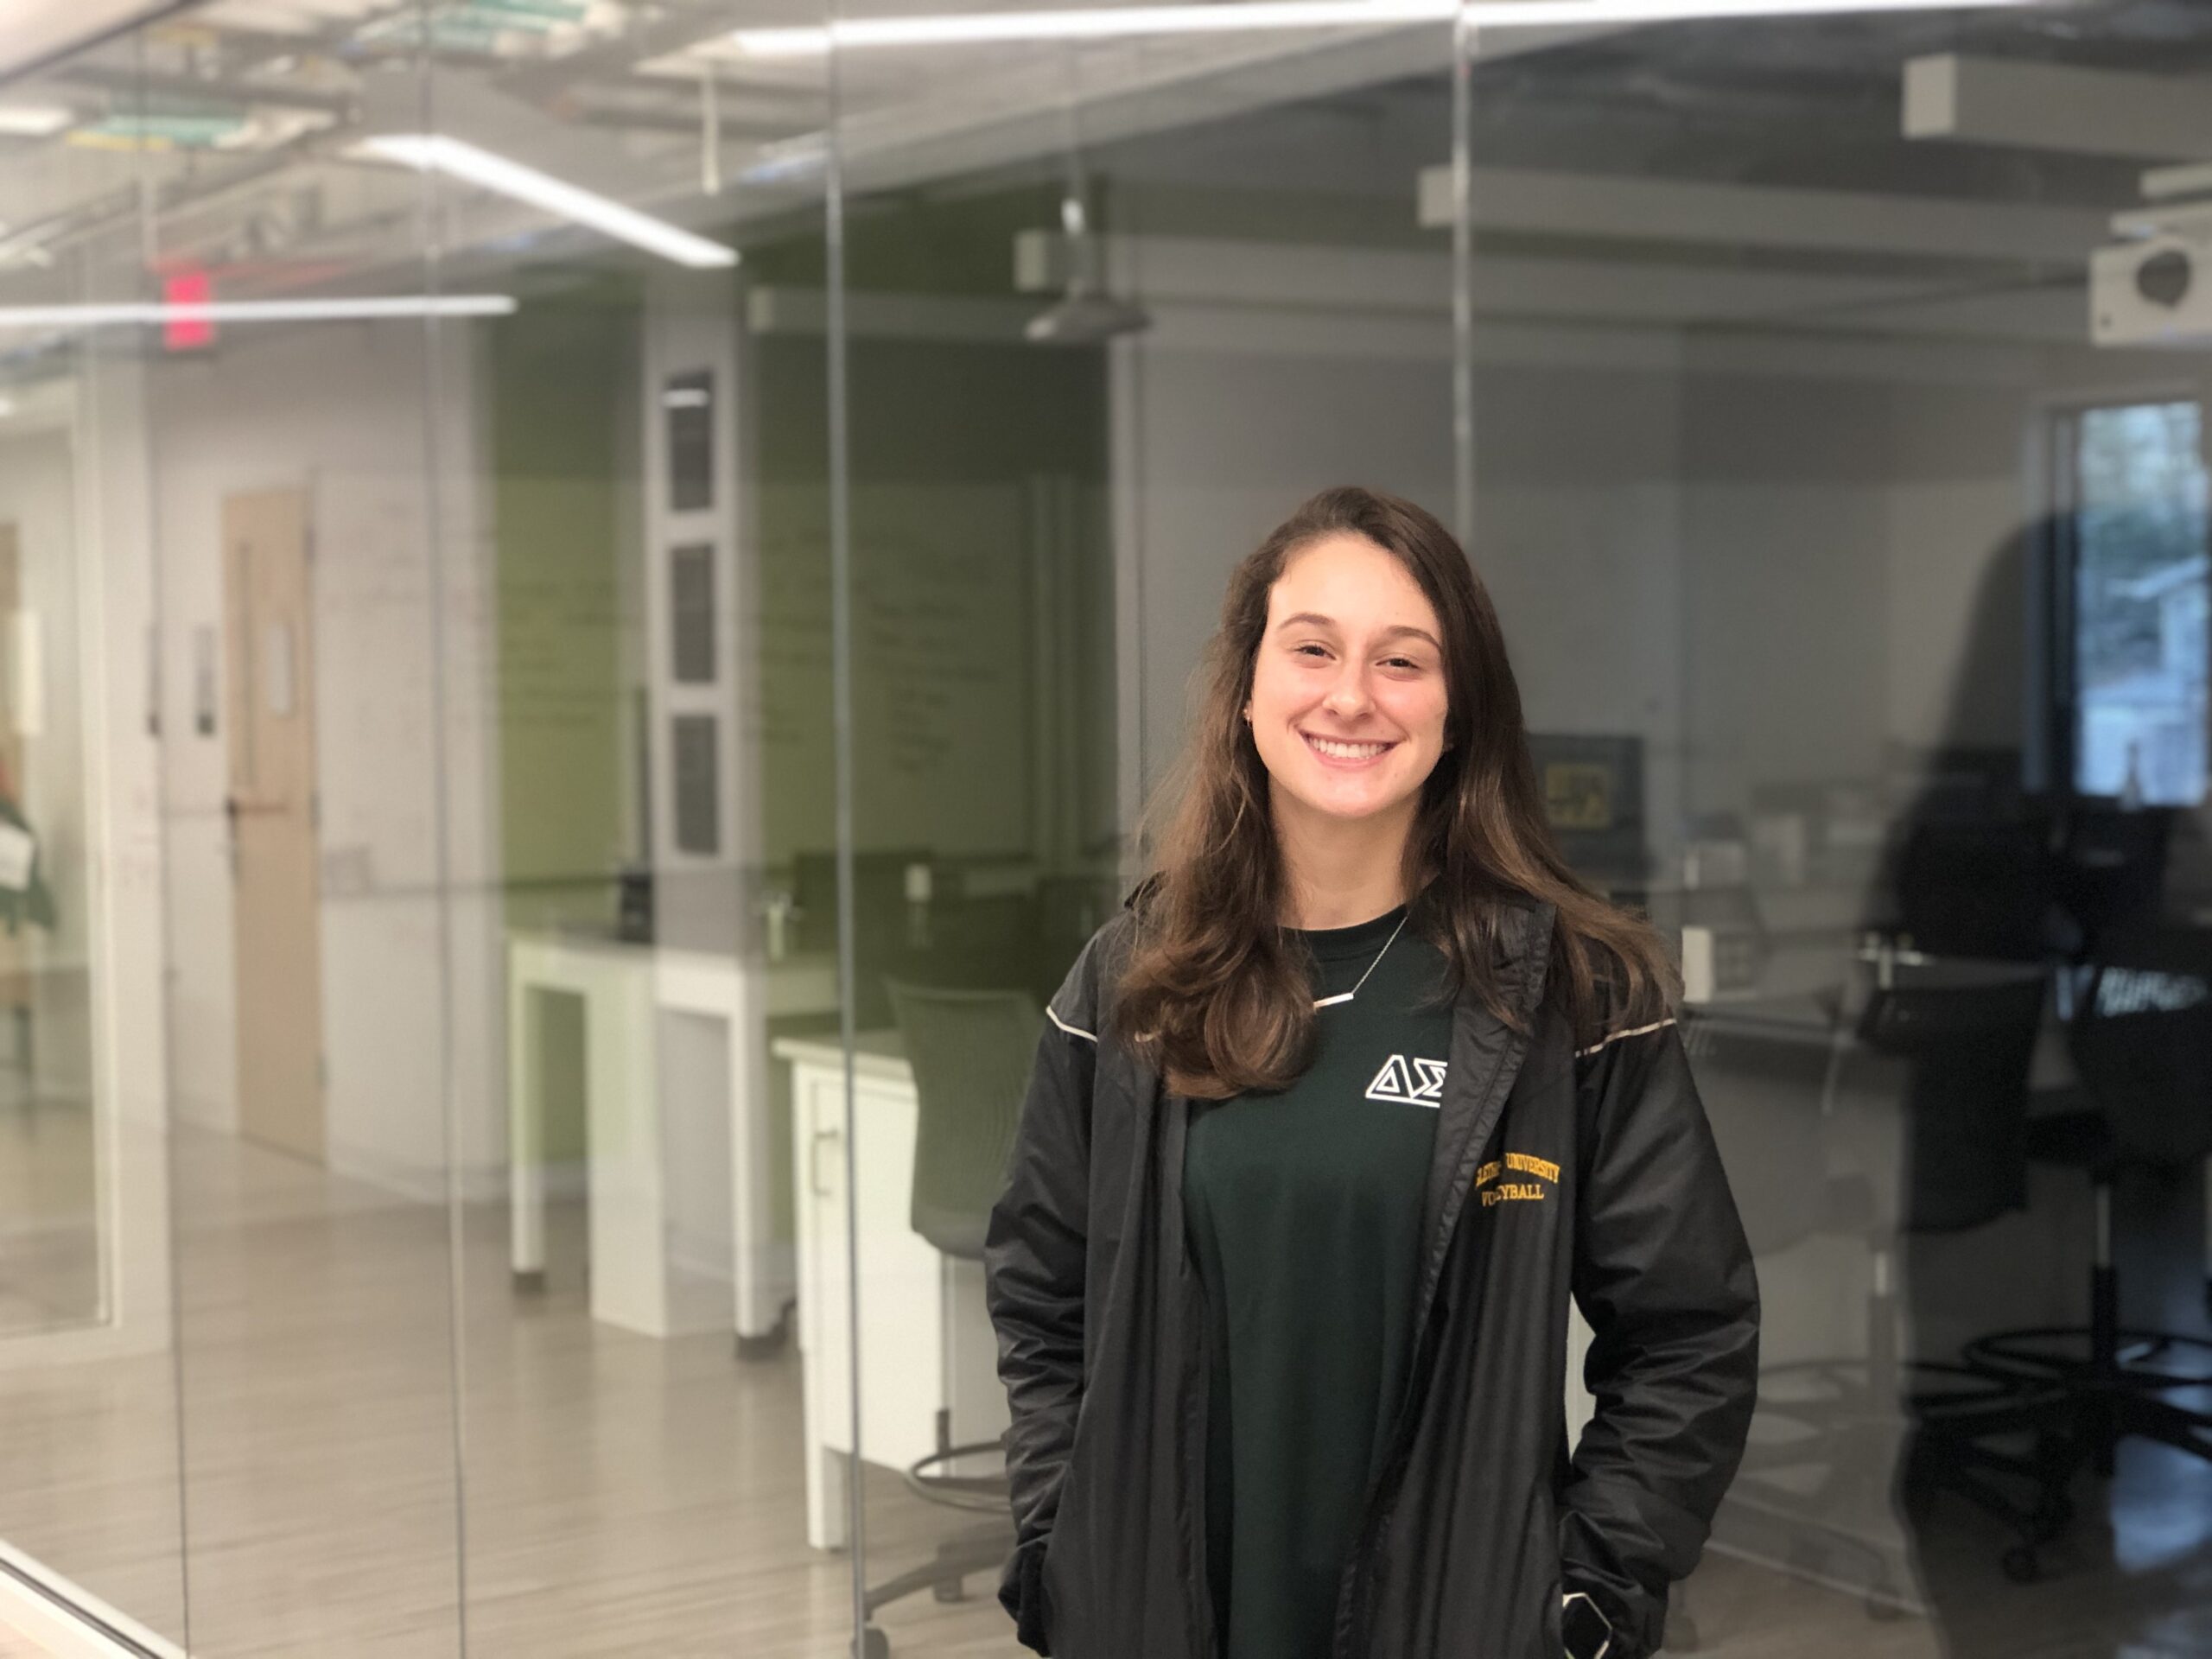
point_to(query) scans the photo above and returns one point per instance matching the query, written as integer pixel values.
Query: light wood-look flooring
(620, 1495)
(48, 1265)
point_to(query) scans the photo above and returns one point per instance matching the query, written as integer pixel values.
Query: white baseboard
(64, 1621)
(703, 1258)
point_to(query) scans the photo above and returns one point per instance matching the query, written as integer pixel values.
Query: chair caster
(2022, 1565)
(872, 1644)
(948, 1591)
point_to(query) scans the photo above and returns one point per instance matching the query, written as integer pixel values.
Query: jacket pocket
(1063, 1546)
(1540, 1572)
(1048, 1623)
(1022, 1594)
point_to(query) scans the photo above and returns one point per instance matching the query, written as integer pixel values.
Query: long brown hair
(1217, 991)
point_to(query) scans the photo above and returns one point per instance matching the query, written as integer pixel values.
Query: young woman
(1326, 1126)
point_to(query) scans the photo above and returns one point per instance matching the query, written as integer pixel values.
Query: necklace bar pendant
(1324, 1001)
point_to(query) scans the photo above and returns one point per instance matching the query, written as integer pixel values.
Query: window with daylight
(2135, 499)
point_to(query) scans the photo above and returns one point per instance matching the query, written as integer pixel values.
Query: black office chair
(1967, 1041)
(971, 1052)
(2142, 1041)
(2112, 876)
(2110, 869)
(1943, 1052)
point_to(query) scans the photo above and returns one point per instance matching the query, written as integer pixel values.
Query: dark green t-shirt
(1304, 1214)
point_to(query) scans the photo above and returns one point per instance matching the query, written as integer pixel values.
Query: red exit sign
(188, 334)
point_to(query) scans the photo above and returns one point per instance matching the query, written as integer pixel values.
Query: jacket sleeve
(1664, 1277)
(1034, 1260)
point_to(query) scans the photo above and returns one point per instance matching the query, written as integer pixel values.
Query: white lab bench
(631, 1107)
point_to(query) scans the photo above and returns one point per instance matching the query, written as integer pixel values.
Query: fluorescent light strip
(32, 120)
(156, 314)
(435, 152)
(1235, 16)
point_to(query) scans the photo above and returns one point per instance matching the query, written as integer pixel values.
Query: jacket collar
(1486, 1057)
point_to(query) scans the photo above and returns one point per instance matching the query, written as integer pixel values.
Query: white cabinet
(925, 1343)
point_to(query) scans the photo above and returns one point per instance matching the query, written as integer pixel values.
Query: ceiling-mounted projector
(2156, 288)
(2157, 292)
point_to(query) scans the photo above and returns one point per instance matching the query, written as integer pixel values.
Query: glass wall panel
(296, 488)
(641, 925)
(1115, 308)
(482, 579)
(89, 1495)
(1839, 471)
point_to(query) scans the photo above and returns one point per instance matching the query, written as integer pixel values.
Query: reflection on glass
(89, 1475)
(51, 1265)
(433, 1100)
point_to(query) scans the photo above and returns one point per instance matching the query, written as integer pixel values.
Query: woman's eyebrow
(1315, 618)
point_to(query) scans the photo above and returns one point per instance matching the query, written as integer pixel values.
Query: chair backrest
(2142, 1040)
(971, 1054)
(1979, 887)
(1963, 1040)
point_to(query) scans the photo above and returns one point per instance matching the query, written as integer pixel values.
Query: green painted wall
(559, 367)
(558, 370)
(957, 448)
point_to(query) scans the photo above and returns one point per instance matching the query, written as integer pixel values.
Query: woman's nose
(1349, 695)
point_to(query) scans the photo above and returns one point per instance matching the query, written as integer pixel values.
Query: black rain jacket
(1557, 1171)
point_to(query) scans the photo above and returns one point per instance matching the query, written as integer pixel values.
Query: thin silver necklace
(1347, 996)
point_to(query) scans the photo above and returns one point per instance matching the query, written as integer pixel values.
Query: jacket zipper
(1352, 1621)
(1353, 1588)
(1192, 1337)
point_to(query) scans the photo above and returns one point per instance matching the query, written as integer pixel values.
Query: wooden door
(269, 651)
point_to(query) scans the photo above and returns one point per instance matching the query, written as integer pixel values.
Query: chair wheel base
(872, 1644)
(2022, 1565)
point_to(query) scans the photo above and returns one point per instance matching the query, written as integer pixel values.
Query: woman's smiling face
(1348, 690)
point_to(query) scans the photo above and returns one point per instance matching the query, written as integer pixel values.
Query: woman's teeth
(1346, 751)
